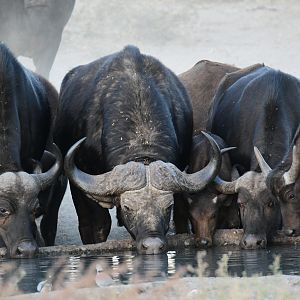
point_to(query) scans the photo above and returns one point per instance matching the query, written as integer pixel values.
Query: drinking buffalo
(33, 28)
(261, 108)
(208, 209)
(137, 118)
(27, 102)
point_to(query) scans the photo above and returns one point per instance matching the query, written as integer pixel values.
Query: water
(128, 267)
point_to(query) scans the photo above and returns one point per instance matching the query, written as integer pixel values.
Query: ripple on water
(128, 267)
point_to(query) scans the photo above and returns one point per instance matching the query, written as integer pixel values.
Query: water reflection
(128, 267)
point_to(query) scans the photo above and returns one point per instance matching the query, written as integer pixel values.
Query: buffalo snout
(151, 245)
(253, 241)
(24, 249)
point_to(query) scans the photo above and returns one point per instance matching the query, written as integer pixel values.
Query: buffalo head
(259, 209)
(19, 207)
(207, 206)
(144, 193)
(285, 186)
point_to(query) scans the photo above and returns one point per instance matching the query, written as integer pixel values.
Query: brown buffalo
(201, 83)
(208, 209)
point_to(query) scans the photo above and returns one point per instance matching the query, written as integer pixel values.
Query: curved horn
(265, 168)
(225, 187)
(130, 176)
(291, 175)
(166, 176)
(45, 179)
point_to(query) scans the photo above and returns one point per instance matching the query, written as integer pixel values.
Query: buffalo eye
(291, 196)
(126, 208)
(4, 212)
(270, 204)
(213, 216)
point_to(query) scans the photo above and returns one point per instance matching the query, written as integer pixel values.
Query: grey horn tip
(76, 145)
(69, 157)
(54, 148)
(224, 150)
(80, 142)
(210, 138)
(265, 168)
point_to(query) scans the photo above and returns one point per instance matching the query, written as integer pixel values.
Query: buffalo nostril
(261, 243)
(18, 252)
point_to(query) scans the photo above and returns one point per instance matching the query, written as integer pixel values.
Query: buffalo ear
(103, 201)
(33, 166)
(234, 173)
(36, 167)
(47, 161)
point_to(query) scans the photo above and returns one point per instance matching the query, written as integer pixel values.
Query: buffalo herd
(218, 146)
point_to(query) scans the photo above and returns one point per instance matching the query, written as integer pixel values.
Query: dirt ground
(179, 33)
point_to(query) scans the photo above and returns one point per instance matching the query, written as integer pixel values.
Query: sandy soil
(179, 33)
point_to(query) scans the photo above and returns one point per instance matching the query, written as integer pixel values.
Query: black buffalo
(27, 106)
(261, 107)
(33, 28)
(137, 120)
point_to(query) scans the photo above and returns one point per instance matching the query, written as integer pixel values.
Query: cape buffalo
(137, 120)
(33, 28)
(208, 209)
(27, 104)
(201, 83)
(261, 107)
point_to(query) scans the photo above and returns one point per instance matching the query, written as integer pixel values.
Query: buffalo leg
(94, 220)
(180, 216)
(49, 221)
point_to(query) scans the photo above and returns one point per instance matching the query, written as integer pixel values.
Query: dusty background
(179, 33)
